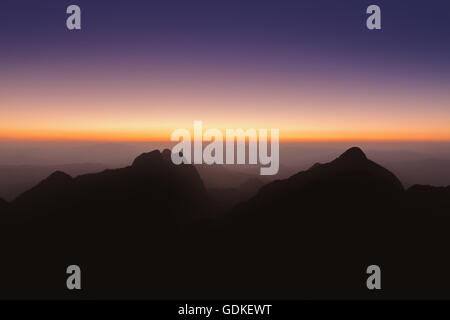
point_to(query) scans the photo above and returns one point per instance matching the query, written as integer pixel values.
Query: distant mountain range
(427, 171)
(153, 230)
(419, 169)
(15, 179)
(152, 180)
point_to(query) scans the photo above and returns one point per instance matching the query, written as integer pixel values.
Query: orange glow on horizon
(164, 135)
(135, 105)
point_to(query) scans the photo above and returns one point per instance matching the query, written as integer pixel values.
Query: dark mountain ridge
(16, 179)
(151, 228)
(351, 181)
(351, 169)
(152, 181)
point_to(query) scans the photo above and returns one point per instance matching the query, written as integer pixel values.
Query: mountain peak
(354, 153)
(53, 186)
(58, 177)
(351, 173)
(148, 159)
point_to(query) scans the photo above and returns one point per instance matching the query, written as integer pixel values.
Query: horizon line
(281, 140)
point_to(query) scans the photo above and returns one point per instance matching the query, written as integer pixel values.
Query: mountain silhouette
(15, 179)
(350, 181)
(151, 230)
(350, 172)
(46, 192)
(131, 219)
(348, 214)
(152, 181)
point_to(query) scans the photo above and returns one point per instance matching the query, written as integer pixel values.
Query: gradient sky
(139, 69)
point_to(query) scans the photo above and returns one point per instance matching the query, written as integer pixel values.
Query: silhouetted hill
(349, 180)
(150, 230)
(46, 193)
(322, 227)
(152, 181)
(131, 219)
(16, 179)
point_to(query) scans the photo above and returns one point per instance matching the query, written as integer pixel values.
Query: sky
(139, 69)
